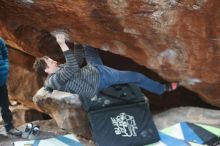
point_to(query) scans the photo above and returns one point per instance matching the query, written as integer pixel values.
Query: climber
(4, 101)
(93, 77)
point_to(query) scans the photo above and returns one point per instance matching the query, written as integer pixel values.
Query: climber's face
(52, 66)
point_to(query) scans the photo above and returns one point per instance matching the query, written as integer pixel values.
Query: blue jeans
(110, 76)
(5, 111)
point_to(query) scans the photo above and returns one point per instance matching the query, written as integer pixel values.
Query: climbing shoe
(28, 130)
(172, 86)
(35, 132)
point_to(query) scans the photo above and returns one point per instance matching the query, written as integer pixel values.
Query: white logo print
(124, 125)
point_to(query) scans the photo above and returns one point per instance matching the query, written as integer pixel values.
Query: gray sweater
(71, 78)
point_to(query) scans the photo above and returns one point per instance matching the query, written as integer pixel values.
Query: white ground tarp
(64, 140)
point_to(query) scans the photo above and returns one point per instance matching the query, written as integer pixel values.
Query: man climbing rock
(4, 101)
(93, 77)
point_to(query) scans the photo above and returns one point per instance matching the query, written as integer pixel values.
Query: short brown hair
(40, 65)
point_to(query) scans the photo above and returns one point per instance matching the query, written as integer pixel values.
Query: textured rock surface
(22, 82)
(178, 39)
(65, 109)
(189, 114)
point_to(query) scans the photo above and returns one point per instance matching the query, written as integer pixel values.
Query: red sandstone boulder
(177, 39)
(65, 109)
